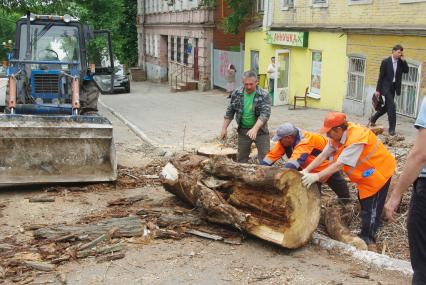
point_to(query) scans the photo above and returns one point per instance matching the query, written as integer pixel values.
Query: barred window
(320, 3)
(178, 49)
(356, 78)
(185, 51)
(172, 48)
(406, 103)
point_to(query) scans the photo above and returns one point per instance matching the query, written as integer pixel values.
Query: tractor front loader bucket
(56, 149)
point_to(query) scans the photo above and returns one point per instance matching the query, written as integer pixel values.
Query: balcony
(193, 16)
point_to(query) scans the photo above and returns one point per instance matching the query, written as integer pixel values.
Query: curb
(369, 257)
(131, 126)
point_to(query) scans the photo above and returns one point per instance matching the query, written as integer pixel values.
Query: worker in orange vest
(301, 147)
(367, 162)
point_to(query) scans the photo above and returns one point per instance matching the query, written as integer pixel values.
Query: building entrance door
(281, 84)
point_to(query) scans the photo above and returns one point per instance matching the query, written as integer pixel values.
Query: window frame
(410, 1)
(179, 49)
(172, 48)
(418, 66)
(262, 10)
(319, 5)
(285, 6)
(360, 2)
(314, 94)
(359, 57)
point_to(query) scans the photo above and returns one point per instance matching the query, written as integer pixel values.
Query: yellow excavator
(50, 131)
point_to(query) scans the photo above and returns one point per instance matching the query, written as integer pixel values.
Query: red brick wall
(220, 39)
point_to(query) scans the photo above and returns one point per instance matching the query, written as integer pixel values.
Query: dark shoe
(372, 124)
(392, 133)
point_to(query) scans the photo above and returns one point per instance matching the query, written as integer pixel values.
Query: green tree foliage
(118, 16)
(241, 10)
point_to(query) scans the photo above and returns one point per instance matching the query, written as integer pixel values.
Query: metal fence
(221, 60)
(356, 78)
(406, 103)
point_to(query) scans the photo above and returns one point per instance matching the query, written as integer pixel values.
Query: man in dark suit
(389, 84)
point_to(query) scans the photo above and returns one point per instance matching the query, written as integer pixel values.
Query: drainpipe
(142, 25)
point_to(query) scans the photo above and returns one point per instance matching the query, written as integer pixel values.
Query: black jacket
(384, 83)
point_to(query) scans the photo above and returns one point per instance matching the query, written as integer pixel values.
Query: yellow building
(304, 60)
(345, 44)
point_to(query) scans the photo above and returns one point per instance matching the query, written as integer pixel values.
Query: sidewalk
(173, 120)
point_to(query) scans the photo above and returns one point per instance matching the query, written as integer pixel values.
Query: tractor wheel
(89, 97)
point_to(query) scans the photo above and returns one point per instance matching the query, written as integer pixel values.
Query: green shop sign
(296, 39)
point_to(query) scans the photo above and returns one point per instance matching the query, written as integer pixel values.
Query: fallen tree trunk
(338, 230)
(267, 202)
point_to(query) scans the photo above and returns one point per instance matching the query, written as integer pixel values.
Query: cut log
(267, 202)
(338, 231)
(215, 149)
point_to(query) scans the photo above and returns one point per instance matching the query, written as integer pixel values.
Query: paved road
(166, 117)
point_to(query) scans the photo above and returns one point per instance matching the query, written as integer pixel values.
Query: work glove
(309, 178)
(303, 172)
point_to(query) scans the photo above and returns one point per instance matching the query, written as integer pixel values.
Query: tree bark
(267, 202)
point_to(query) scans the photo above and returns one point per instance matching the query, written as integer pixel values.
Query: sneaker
(372, 124)
(392, 133)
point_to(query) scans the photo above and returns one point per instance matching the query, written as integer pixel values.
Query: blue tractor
(51, 131)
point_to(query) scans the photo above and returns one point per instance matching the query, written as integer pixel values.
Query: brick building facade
(176, 37)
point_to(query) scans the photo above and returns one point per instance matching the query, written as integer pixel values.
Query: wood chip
(42, 199)
(204, 234)
(110, 257)
(42, 266)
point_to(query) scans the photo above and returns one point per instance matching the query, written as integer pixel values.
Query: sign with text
(296, 39)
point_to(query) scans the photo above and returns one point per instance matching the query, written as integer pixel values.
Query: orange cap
(333, 119)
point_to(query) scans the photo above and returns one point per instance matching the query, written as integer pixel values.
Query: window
(316, 74)
(260, 6)
(172, 48)
(156, 44)
(287, 4)
(359, 2)
(178, 49)
(186, 51)
(320, 3)
(147, 44)
(406, 103)
(356, 78)
(151, 45)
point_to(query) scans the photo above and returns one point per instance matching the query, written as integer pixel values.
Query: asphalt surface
(189, 119)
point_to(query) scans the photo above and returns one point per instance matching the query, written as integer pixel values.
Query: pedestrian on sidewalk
(302, 147)
(230, 79)
(272, 71)
(414, 171)
(366, 161)
(251, 107)
(389, 84)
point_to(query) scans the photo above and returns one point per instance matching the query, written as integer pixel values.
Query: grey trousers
(244, 145)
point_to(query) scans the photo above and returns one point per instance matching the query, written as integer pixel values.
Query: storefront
(316, 60)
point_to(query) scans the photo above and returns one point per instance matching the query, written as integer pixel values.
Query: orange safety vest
(375, 164)
(311, 144)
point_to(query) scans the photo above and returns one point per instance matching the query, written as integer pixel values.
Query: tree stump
(267, 202)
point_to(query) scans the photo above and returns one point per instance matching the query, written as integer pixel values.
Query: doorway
(281, 84)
